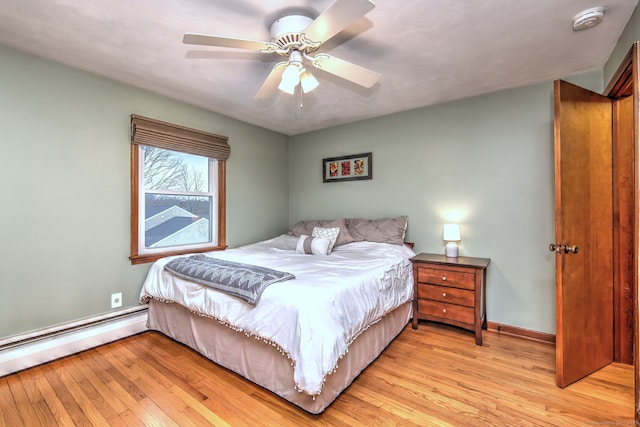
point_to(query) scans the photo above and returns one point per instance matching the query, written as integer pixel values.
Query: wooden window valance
(165, 135)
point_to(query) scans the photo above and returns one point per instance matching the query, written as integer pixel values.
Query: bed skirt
(263, 364)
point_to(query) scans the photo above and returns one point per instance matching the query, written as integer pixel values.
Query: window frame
(137, 254)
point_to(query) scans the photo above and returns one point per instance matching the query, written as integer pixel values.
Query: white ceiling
(428, 51)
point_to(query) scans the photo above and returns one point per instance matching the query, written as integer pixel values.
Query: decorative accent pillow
(313, 245)
(306, 227)
(386, 230)
(329, 233)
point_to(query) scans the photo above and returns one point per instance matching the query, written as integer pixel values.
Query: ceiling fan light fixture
(291, 74)
(308, 81)
(287, 88)
(290, 78)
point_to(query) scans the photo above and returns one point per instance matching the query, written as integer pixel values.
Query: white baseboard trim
(28, 350)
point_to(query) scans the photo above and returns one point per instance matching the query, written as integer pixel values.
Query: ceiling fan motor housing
(286, 30)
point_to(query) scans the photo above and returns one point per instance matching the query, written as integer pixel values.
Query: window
(177, 190)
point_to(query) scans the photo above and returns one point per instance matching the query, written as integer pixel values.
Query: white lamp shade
(451, 232)
(283, 86)
(291, 75)
(307, 81)
(290, 79)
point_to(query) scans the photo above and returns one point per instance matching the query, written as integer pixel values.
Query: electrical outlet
(116, 300)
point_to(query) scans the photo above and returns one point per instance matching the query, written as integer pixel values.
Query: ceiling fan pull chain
(299, 96)
(297, 101)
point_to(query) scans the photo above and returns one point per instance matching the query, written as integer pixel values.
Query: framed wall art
(347, 168)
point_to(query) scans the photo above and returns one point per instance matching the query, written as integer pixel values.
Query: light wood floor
(433, 376)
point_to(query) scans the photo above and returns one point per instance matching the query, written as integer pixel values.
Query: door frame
(624, 83)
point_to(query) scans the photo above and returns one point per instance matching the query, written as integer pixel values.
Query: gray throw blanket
(241, 280)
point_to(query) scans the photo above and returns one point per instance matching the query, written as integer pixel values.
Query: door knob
(563, 248)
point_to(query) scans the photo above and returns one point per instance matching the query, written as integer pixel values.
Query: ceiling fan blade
(209, 40)
(273, 80)
(346, 70)
(336, 18)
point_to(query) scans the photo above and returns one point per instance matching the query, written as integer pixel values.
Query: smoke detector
(588, 18)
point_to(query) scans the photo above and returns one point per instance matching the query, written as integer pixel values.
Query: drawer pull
(444, 310)
(444, 277)
(444, 294)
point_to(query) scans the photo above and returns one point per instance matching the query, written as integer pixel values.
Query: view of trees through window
(177, 198)
(172, 170)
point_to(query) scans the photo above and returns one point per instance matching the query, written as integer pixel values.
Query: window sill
(146, 258)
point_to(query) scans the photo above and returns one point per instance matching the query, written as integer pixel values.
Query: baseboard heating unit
(37, 347)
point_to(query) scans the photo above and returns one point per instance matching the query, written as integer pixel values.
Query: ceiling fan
(298, 38)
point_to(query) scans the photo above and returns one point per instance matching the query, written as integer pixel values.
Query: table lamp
(451, 236)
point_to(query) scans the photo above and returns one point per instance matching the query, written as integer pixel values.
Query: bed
(305, 338)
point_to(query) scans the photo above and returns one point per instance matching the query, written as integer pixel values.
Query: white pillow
(329, 233)
(313, 245)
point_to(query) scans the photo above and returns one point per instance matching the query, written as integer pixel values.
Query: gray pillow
(386, 230)
(306, 228)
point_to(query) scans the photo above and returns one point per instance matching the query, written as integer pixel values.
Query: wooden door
(584, 225)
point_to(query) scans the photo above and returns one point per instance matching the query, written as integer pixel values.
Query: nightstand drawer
(447, 311)
(446, 294)
(450, 290)
(456, 279)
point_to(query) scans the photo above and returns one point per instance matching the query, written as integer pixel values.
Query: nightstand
(451, 291)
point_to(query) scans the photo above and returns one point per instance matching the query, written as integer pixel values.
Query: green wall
(64, 222)
(484, 162)
(630, 35)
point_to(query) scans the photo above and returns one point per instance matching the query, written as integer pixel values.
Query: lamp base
(451, 250)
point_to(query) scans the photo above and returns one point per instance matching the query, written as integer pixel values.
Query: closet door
(584, 237)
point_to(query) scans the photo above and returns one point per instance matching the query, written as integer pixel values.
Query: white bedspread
(314, 318)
